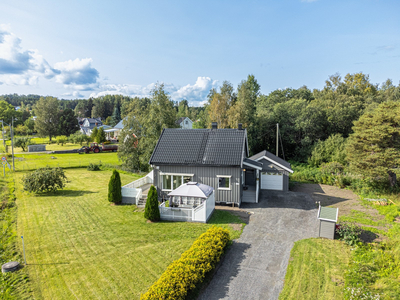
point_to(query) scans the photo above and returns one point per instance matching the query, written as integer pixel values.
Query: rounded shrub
(44, 180)
(151, 211)
(114, 188)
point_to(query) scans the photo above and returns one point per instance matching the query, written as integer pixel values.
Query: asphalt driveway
(255, 265)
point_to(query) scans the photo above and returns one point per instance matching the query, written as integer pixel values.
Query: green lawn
(316, 270)
(33, 161)
(78, 246)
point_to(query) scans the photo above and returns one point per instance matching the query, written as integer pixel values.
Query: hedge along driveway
(80, 247)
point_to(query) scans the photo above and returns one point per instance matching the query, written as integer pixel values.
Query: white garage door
(271, 181)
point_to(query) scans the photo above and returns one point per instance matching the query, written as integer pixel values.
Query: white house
(185, 123)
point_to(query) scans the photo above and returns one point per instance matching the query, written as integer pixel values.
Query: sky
(80, 49)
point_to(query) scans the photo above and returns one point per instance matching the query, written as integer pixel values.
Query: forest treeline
(305, 116)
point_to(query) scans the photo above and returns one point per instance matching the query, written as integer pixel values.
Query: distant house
(184, 123)
(116, 130)
(89, 123)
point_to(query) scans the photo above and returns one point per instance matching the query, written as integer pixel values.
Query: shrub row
(186, 273)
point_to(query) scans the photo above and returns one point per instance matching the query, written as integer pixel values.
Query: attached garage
(271, 181)
(275, 171)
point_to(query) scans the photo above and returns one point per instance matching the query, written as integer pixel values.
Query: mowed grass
(316, 270)
(70, 160)
(78, 246)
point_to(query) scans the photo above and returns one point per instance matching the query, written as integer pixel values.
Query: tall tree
(46, 110)
(374, 148)
(68, 123)
(116, 116)
(220, 103)
(244, 109)
(101, 135)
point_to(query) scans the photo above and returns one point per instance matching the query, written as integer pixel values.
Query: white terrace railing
(200, 213)
(132, 192)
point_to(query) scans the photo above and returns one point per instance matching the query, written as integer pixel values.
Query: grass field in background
(78, 246)
(316, 270)
(28, 161)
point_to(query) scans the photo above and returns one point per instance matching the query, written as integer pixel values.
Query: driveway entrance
(255, 265)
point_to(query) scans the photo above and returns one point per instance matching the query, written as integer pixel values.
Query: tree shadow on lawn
(66, 193)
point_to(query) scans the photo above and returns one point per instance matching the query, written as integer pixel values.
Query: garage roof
(273, 158)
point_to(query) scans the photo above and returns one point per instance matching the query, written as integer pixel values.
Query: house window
(186, 122)
(224, 182)
(167, 179)
(171, 182)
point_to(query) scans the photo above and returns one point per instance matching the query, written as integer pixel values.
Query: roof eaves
(155, 148)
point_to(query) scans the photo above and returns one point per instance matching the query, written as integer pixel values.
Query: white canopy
(192, 189)
(111, 130)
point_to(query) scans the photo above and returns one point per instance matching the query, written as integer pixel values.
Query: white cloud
(76, 72)
(18, 67)
(26, 67)
(74, 94)
(196, 94)
(308, 1)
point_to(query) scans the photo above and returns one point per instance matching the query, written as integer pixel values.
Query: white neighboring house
(90, 123)
(185, 123)
(116, 130)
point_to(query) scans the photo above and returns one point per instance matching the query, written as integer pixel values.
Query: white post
(23, 247)
(12, 141)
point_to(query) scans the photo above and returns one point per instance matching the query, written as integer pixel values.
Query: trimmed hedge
(190, 269)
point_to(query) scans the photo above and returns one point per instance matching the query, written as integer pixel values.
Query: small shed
(327, 221)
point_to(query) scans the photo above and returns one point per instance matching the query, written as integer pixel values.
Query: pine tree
(116, 116)
(101, 136)
(151, 211)
(114, 188)
(93, 135)
(374, 147)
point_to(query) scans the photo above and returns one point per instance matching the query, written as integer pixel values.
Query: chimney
(214, 125)
(240, 126)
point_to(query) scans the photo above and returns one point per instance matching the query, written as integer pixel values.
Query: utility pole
(277, 139)
(2, 133)
(12, 141)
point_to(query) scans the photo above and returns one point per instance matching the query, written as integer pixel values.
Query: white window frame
(172, 179)
(230, 183)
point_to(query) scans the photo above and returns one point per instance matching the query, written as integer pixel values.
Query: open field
(316, 270)
(71, 160)
(79, 246)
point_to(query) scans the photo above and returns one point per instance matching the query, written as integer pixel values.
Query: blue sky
(75, 49)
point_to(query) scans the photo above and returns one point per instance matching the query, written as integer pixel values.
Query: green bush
(62, 139)
(151, 211)
(93, 167)
(332, 168)
(44, 180)
(332, 149)
(186, 273)
(22, 142)
(350, 233)
(114, 188)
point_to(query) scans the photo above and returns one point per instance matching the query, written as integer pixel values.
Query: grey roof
(272, 157)
(193, 189)
(253, 162)
(214, 147)
(328, 213)
(94, 120)
(119, 125)
(180, 120)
